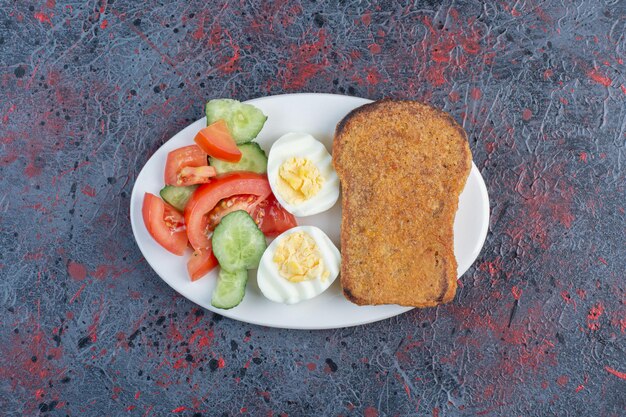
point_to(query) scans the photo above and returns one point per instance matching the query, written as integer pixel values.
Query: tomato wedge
(272, 218)
(217, 141)
(165, 224)
(207, 196)
(200, 264)
(188, 166)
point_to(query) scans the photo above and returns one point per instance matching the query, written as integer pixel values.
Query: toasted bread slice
(402, 166)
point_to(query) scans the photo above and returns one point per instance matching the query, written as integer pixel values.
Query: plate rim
(401, 309)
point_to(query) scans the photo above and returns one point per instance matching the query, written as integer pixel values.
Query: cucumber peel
(253, 159)
(238, 243)
(230, 288)
(244, 120)
(177, 196)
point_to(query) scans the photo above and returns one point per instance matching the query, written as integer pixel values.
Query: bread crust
(402, 166)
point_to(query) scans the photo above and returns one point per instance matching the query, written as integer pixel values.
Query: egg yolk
(298, 258)
(298, 180)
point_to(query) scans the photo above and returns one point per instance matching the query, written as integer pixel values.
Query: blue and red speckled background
(90, 91)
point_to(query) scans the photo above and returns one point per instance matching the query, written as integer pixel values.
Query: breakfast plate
(317, 114)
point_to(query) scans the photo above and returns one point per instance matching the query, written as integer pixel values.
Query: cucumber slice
(177, 197)
(253, 159)
(237, 242)
(244, 120)
(230, 289)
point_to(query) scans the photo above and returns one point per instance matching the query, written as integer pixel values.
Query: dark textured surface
(538, 326)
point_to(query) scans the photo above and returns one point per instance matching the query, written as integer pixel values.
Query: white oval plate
(318, 115)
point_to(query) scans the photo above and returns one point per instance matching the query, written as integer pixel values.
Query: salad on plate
(223, 198)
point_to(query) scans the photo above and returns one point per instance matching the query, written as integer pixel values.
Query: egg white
(306, 146)
(278, 289)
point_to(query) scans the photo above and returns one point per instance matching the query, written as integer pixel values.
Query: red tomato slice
(228, 205)
(188, 166)
(207, 196)
(272, 218)
(165, 224)
(200, 264)
(217, 141)
(268, 214)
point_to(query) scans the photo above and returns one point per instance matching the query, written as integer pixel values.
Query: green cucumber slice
(253, 159)
(176, 196)
(237, 242)
(230, 288)
(244, 120)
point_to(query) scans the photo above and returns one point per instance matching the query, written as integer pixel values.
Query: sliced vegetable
(244, 120)
(230, 288)
(247, 202)
(268, 214)
(272, 218)
(238, 243)
(207, 196)
(200, 264)
(253, 159)
(177, 197)
(188, 166)
(165, 224)
(217, 142)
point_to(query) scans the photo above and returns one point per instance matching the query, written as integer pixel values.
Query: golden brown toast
(402, 166)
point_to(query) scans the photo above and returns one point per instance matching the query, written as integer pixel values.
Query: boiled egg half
(301, 174)
(298, 265)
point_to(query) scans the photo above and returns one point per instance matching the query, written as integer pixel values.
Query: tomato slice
(217, 141)
(165, 224)
(246, 202)
(200, 264)
(268, 214)
(188, 166)
(272, 218)
(207, 196)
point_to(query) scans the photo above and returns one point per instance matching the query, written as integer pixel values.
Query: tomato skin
(268, 214)
(201, 263)
(217, 142)
(272, 218)
(165, 224)
(229, 205)
(207, 196)
(188, 166)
